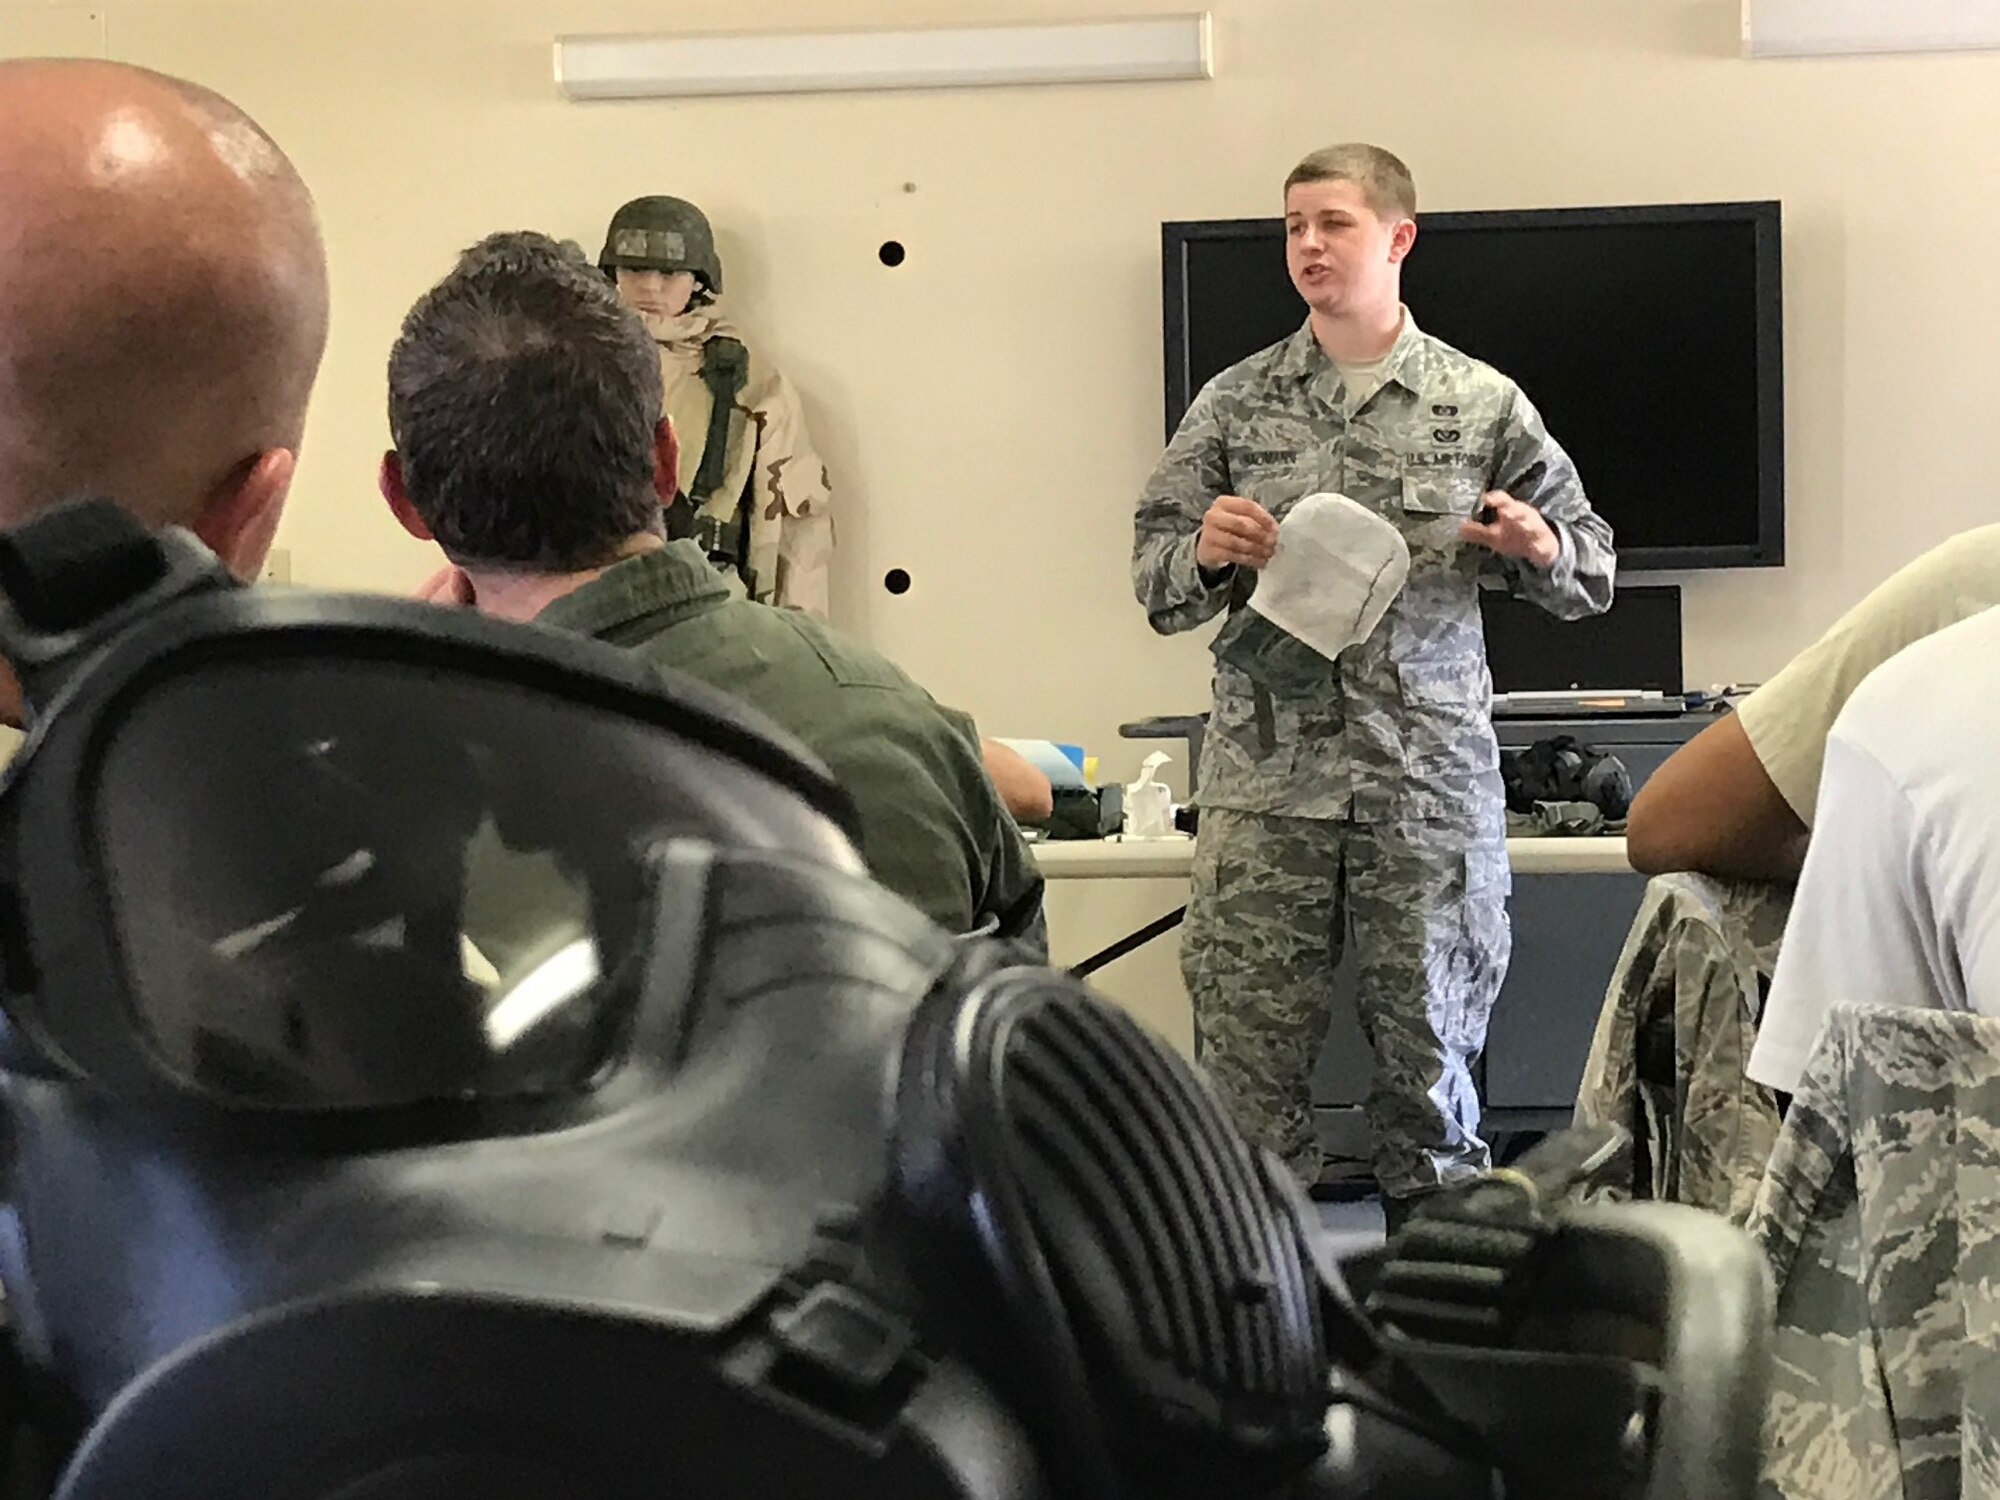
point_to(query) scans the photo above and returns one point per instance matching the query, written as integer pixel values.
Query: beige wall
(991, 408)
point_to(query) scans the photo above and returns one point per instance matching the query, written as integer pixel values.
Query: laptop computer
(1625, 661)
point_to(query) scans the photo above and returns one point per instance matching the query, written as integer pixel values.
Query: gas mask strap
(77, 575)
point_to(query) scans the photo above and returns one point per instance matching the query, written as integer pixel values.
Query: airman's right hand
(1235, 531)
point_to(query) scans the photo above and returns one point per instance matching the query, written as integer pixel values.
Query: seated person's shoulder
(1951, 584)
(1970, 561)
(1786, 720)
(1894, 905)
(1738, 799)
(848, 663)
(1930, 702)
(1957, 578)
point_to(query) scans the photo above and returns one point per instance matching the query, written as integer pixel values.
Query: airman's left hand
(1513, 528)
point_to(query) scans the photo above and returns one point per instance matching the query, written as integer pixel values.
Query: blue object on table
(1062, 764)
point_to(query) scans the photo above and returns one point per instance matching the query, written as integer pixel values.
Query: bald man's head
(163, 302)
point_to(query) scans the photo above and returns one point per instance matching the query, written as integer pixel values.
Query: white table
(1100, 890)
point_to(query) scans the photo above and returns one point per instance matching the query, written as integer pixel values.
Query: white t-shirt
(1899, 902)
(1360, 381)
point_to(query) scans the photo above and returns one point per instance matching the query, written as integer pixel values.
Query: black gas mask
(442, 1061)
(1560, 770)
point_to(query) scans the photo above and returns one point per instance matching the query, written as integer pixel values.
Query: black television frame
(1763, 215)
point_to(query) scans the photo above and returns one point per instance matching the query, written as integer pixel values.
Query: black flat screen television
(1650, 339)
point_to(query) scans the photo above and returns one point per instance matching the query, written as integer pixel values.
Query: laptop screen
(1635, 645)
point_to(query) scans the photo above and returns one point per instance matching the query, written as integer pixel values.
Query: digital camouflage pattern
(1679, 1020)
(1399, 727)
(1385, 758)
(1877, 1214)
(1271, 907)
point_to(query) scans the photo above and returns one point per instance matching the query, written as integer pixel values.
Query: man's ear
(1401, 239)
(390, 481)
(240, 520)
(666, 462)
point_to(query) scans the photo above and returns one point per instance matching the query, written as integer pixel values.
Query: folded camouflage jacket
(1881, 1217)
(1678, 1023)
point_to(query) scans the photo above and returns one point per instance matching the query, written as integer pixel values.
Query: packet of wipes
(1149, 810)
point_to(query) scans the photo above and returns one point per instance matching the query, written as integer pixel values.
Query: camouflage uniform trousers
(1272, 902)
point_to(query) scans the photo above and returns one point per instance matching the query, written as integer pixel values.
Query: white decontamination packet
(1337, 569)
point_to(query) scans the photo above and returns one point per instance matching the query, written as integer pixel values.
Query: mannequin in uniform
(754, 492)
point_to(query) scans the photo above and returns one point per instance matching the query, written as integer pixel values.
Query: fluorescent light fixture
(788, 62)
(1794, 28)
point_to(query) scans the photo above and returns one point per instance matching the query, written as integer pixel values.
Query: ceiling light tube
(1119, 51)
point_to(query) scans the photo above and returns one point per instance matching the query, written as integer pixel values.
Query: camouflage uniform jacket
(1675, 1033)
(774, 482)
(1400, 726)
(1877, 1214)
(932, 826)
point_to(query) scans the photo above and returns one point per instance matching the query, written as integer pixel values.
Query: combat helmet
(662, 234)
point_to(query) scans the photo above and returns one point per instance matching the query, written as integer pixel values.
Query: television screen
(1649, 338)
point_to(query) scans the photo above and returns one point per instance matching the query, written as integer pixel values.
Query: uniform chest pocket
(1442, 492)
(1273, 479)
(1436, 503)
